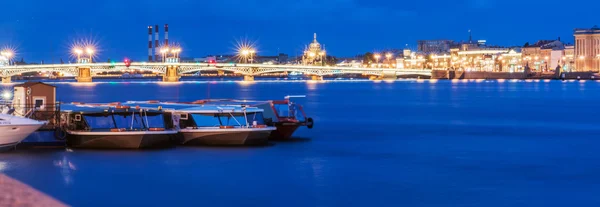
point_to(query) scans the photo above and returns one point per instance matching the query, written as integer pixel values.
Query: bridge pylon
(388, 75)
(6, 79)
(171, 74)
(84, 75)
(316, 77)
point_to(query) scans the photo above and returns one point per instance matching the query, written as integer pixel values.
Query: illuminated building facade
(434, 46)
(587, 49)
(314, 54)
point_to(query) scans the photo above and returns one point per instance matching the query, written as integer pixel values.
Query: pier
(15, 193)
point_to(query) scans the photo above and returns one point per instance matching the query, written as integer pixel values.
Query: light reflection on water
(401, 143)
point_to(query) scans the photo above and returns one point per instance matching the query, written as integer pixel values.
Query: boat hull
(120, 140)
(284, 131)
(225, 136)
(11, 135)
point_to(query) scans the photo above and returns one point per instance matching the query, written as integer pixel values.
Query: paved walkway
(15, 193)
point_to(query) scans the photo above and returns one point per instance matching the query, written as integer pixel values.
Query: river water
(401, 143)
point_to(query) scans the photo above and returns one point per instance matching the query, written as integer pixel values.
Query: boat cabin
(113, 118)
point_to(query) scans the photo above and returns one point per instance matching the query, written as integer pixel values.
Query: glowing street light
(7, 54)
(377, 56)
(90, 52)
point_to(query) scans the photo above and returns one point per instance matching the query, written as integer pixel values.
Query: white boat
(14, 129)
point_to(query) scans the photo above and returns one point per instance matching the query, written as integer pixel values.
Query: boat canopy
(194, 108)
(95, 109)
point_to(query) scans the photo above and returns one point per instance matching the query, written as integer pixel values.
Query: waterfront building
(544, 55)
(440, 61)
(412, 61)
(479, 59)
(511, 61)
(434, 46)
(569, 58)
(587, 49)
(314, 54)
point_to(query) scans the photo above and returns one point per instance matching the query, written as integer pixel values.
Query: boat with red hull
(287, 116)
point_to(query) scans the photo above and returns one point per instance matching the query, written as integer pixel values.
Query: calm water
(404, 143)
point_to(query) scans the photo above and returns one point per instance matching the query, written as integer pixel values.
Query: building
(34, 97)
(569, 58)
(544, 55)
(314, 54)
(587, 49)
(434, 46)
(511, 61)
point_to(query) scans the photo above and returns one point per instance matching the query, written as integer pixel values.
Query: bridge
(171, 72)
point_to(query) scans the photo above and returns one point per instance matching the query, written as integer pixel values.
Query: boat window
(156, 121)
(99, 122)
(124, 120)
(289, 111)
(206, 120)
(258, 117)
(284, 110)
(236, 120)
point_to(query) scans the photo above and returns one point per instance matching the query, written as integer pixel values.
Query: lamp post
(7, 54)
(251, 51)
(388, 56)
(90, 52)
(377, 56)
(78, 52)
(164, 52)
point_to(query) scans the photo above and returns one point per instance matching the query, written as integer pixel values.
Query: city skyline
(47, 32)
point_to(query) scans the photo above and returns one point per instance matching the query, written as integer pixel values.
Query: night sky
(44, 30)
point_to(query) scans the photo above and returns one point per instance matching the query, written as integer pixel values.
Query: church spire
(315, 38)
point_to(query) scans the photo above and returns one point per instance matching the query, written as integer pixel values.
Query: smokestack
(156, 49)
(150, 43)
(166, 35)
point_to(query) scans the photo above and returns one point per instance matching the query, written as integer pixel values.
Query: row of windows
(582, 50)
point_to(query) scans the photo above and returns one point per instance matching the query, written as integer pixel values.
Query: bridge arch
(156, 69)
(185, 70)
(9, 73)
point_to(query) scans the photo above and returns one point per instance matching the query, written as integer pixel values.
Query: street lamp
(252, 55)
(78, 52)
(164, 52)
(90, 52)
(7, 54)
(377, 56)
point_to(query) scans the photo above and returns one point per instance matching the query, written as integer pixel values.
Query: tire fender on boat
(310, 122)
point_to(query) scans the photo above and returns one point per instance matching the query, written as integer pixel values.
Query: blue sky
(44, 30)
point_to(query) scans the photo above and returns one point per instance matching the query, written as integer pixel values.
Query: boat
(14, 129)
(287, 116)
(115, 126)
(214, 124)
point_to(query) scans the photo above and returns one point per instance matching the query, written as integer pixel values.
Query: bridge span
(171, 72)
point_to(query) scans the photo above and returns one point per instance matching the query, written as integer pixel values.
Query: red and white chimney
(166, 35)
(156, 40)
(150, 43)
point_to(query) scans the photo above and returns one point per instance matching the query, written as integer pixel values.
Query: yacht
(14, 129)
(115, 126)
(213, 124)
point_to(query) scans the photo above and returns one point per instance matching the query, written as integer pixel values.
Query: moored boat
(14, 129)
(210, 124)
(287, 116)
(115, 126)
